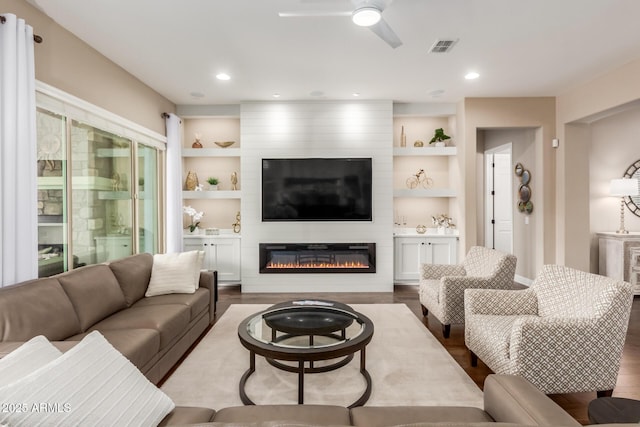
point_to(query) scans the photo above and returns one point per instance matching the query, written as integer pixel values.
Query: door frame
(489, 205)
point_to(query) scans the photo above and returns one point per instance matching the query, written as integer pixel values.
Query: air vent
(443, 45)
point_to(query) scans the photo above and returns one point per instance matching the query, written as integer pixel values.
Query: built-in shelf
(210, 152)
(212, 194)
(432, 192)
(425, 151)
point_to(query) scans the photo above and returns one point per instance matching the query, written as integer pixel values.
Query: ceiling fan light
(366, 16)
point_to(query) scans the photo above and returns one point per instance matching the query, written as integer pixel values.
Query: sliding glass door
(96, 203)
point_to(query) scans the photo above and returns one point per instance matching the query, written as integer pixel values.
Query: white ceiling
(519, 47)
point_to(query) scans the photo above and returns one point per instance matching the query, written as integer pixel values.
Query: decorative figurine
(234, 181)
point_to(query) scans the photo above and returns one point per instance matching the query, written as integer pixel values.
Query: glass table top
(306, 324)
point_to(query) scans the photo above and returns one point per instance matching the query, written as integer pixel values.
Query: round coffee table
(306, 331)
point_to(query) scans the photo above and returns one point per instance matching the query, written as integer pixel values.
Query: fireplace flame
(352, 264)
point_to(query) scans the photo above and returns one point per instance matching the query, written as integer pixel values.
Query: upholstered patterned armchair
(442, 286)
(564, 333)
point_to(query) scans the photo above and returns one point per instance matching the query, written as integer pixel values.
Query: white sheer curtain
(174, 185)
(18, 180)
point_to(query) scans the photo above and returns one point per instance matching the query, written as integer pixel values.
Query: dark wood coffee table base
(301, 370)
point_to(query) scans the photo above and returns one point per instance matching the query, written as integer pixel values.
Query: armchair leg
(474, 359)
(425, 312)
(446, 330)
(604, 393)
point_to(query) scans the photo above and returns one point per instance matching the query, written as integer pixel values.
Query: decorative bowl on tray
(224, 144)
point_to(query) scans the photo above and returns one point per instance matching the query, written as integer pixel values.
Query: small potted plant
(213, 183)
(439, 137)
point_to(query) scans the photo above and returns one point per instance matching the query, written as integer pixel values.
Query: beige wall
(615, 145)
(476, 114)
(69, 64)
(578, 113)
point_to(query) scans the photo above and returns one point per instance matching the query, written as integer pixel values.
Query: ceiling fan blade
(312, 13)
(384, 31)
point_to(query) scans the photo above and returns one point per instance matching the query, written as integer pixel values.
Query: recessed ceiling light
(355, 94)
(276, 95)
(223, 76)
(471, 75)
(366, 16)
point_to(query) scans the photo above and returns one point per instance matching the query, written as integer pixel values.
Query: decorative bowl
(224, 144)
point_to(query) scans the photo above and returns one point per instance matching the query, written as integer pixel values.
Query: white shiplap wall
(317, 129)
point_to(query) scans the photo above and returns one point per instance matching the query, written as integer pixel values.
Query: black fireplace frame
(264, 249)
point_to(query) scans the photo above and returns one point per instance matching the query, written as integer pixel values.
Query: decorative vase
(421, 229)
(403, 138)
(195, 231)
(191, 182)
(441, 230)
(440, 144)
(213, 187)
(196, 144)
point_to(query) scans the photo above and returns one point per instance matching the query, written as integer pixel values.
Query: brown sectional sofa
(152, 332)
(508, 400)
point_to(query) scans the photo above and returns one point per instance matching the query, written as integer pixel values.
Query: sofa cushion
(133, 274)
(137, 345)
(27, 358)
(197, 301)
(379, 416)
(318, 414)
(182, 415)
(94, 293)
(175, 273)
(169, 320)
(36, 307)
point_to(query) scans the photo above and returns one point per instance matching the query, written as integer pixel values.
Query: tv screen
(314, 189)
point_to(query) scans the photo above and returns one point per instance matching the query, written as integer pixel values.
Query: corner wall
(69, 64)
(476, 114)
(317, 129)
(577, 108)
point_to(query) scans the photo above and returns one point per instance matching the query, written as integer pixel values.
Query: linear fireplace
(283, 258)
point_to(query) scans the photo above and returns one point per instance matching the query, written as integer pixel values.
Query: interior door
(499, 199)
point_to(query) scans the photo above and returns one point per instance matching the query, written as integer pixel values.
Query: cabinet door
(227, 260)
(442, 251)
(202, 244)
(409, 255)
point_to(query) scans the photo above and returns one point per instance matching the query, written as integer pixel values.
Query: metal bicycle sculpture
(420, 178)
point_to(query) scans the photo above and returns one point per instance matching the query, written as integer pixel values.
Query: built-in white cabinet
(411, 251)
(222, 253)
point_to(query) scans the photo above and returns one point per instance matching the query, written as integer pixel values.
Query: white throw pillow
(27, 358)
(175, 273)
(91, 384)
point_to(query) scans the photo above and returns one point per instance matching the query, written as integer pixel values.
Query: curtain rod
(36, 38)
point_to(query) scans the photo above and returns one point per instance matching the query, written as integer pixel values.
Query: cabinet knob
(429, 242)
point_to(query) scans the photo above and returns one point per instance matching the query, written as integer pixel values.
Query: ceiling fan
(366, 13)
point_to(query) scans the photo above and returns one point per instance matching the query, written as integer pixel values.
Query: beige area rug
(407, 364)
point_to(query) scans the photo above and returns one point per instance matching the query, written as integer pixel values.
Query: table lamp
(622, 188)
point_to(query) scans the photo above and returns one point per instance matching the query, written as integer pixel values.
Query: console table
(619, 257)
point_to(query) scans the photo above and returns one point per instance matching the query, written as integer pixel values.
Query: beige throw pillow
(175, 273)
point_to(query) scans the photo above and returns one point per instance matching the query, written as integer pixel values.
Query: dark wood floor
(576, 404)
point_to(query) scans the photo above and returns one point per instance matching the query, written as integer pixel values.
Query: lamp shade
(624, 187)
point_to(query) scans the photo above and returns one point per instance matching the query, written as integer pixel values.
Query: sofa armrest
(512, 399)
(500, 302)
(209, 280)
(437, 271)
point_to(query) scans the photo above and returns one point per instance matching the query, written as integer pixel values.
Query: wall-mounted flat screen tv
(316, 189)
